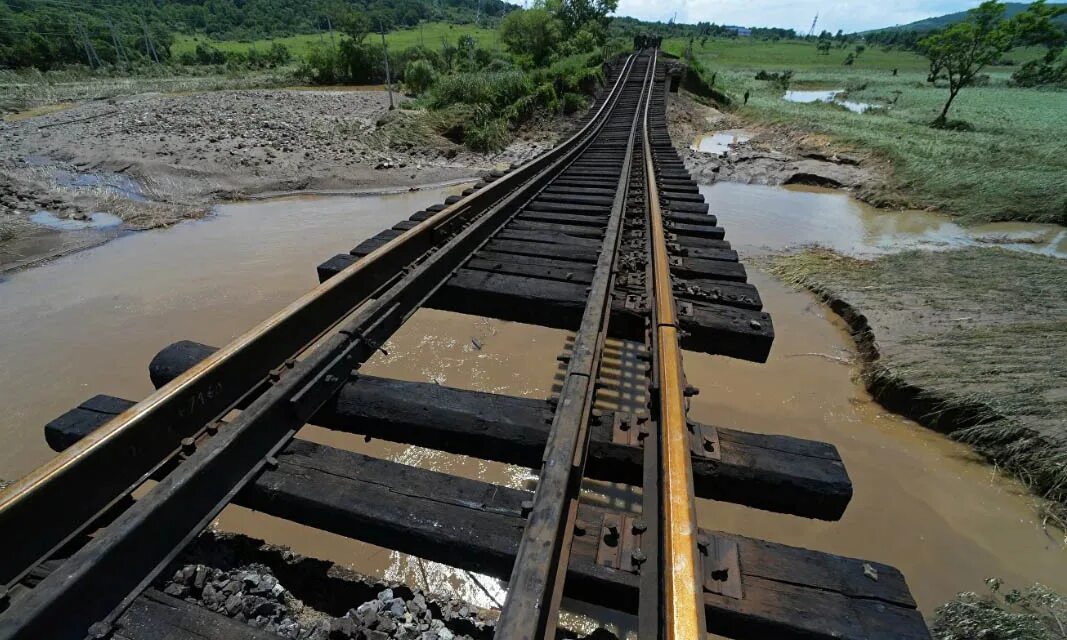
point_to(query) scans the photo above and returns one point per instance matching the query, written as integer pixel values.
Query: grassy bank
(971, 342)
(1010, 167)
(30, 89)
(428, 35)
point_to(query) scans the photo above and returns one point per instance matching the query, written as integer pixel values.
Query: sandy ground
(155, 159)
(773, 156)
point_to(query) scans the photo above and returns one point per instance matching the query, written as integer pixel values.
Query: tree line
(47, 34)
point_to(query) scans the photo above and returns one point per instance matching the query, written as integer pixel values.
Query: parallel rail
(596, 201)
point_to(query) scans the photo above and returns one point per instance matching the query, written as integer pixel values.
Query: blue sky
(850, 15)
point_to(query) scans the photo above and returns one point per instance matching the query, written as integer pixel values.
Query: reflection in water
(830, 97)
(795, 215)
(719, 142)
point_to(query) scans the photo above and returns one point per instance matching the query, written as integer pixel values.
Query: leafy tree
(823, 47)
(1037, 27)
(534, 33)
(576, 14)
(849, 59)
(962, 50)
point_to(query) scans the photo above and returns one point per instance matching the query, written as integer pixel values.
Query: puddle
(719, 143)
(829, 97)
(795, 215)
(96, 220)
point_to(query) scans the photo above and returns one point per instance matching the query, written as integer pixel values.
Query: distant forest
(50, 33)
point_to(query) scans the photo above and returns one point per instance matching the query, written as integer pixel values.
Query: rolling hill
(940, 22)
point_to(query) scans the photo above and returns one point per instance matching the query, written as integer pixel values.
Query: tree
(823, 47)
(962, 50)
(532, 34)
(1037, 27)
(576, 14)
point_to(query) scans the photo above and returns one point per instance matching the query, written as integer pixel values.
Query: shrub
(322, 66)
(573, 102)
(498, 89)
(419, 76)
(487, 134)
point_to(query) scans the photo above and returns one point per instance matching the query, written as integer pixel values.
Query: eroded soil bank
(770, 155)
(971, 342)
(154, 159)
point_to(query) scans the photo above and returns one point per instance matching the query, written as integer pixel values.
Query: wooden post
(388, 75)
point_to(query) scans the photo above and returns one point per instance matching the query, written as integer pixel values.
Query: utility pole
(81, 41)
(388, 76)
(150, 47)
(90, 50)
(329, 23)
(120, 53)
(814, 22)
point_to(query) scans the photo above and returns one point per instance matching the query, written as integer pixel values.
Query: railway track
(605, 236)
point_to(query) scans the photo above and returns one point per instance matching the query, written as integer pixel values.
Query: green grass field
(1011, 167)
(429, 34)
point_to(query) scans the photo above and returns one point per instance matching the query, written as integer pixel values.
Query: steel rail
(682, 607)
(64, 497)
(100, 579)
(536, 585)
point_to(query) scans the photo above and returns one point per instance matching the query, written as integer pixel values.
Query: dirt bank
(154, 159)
(772, 155)
(972, 343)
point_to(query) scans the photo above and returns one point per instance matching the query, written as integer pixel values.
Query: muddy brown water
(90, 322)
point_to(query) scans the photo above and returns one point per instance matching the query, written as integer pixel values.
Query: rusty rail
(683, 606)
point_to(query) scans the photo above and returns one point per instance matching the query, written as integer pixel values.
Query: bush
(322, 66)
(419, 76)
(573, 102)
(499, 89)
(206, 54)
(487, 133)
(1043, 72)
